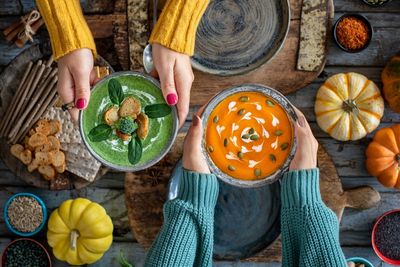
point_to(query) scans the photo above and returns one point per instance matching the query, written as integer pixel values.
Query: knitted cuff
(176, 28)
(201, 190)
(300, 188)
(66, 25)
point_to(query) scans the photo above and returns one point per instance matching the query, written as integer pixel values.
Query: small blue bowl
(361, 260)
(44, 214)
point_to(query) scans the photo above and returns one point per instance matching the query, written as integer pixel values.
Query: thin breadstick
(50, 61)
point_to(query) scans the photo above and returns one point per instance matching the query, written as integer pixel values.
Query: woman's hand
(307, 146)
(75, 78)
(176, 78)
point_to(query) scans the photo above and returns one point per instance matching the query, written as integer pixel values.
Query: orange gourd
(383, 156)
(391, 83)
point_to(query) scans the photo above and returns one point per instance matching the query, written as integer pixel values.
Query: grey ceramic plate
(150, 162)
(236, 37)
(283, 102)
(246, 220)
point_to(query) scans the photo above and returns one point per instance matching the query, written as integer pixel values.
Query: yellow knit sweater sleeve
(176, 28)
(67, 26)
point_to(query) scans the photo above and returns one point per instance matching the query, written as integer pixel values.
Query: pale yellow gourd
(79, 232)
(348, 106)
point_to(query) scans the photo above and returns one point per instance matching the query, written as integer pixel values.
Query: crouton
(16, 150)
(44, 148)
(44, 158)
(33, 166)
(54, 142)
(61, 168)
(43, 126)
(55, 127)
(58, 158)
(111, 116)
(38, 139)
(122, 135)
(47, 171)
(143, 126)
(130, 107)
(26, 157)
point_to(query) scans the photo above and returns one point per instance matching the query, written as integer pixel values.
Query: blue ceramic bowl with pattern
(360, 260)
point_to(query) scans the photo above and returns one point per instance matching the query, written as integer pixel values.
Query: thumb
(195, 134)
(82, 88)
(168, 86)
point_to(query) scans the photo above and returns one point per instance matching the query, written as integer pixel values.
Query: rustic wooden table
(349, 157)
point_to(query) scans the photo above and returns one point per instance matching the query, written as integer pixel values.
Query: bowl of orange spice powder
(353, 32)
(249, 138)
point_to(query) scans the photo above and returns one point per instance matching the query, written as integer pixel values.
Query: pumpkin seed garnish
(210, 148)
(240, 154)
(216, 119)
(245, 136)
(272, 157)
(231, 168)
(257, 172)
(270, 103)
(244, 98)
(278, 133)
(254, 137)
(242, 111)
(252, 131)
(226, 142)
(284, 146)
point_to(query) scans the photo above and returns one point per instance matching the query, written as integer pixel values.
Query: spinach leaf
(135, 148)
(157, 110)
(100, 133)
(115, 92)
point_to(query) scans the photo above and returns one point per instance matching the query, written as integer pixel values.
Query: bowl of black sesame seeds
(25, 252)
(377, 3)
(25, 214)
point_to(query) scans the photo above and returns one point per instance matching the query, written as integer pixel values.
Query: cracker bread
(69, 130)
(60, 169)
(33, 166)
(43, 126)
(44, 158)
(143, 126)
(88, 162)
(38, 139)
(111, 116)
(16, 150)
(58, 158)
(26, 157)
(130, 107)
(81, 170)
(55, 127)
(47, 171)
(44, 148)
(54, 142)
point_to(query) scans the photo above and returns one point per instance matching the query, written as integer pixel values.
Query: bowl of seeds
(25, 214)
(25, 252)
(358, 262)
(386, 239)
(377, 3)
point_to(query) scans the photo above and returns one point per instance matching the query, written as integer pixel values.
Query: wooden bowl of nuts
(377, 3)
(25, 214)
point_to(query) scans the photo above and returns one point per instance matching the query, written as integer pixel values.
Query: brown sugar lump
(58, 158)
(143, 126)
(26, 157)
(33, 165)
(47, 171)
(44, 148)
(111, 116)
(38, 139)
(55, 143)
(16, 150)
(55, 127)
(43, 126)
(130, 107)
(44, 158)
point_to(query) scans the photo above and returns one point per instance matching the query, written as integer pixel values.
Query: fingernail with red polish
(80, 103)
(171, 99)
(196, 120)
(302, 121)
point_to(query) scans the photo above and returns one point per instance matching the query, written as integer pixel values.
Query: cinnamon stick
(17, 94)
(17, 23)
(52, 80)
(21, 42)
(14, 34)
(23, 96)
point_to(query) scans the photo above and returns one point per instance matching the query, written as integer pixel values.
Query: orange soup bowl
(249, 138)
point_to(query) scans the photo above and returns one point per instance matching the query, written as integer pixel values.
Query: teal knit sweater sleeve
(186, 237)
(310, 230)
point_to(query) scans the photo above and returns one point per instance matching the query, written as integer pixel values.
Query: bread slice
(26, 157)
(122, 135)
(55, 127)
(16, 150)
(44, 158)
(58, 158)
(61, 168)
(31, 132)
(47, 171)
(143, 126)
(38, 139)
(43, 126)
(33, 166)
(54, 142)
(130, 107)
(111, 116)
(44, 148)
(27, 146)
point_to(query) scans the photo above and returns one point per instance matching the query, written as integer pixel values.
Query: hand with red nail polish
(75, 78)
(176, 78)
(307, 146)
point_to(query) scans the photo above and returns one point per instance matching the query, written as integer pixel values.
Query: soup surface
(249, 136)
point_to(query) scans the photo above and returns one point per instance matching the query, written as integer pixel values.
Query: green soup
(114, 149)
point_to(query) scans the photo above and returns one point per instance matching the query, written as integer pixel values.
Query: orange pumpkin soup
(249, 136)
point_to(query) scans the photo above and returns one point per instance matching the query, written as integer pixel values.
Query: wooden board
(9, 80)
(145, 197)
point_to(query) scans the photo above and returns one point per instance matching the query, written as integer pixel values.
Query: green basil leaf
(157, 110)
(115, 92)
(100, 133)
(135, 149)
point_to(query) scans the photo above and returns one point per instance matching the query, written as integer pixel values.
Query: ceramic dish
(246, 220)
(113, 152)
(384, 4)
(358, 16)
(360, 260)
(3, 256)
(270, 151)
(237, 37)
(43, 209)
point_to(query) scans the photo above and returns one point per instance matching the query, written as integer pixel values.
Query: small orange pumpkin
(391, 83)
(383, 156)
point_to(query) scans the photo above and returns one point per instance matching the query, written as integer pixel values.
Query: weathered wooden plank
(355, 238)
(378, 20)
(350, 182)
